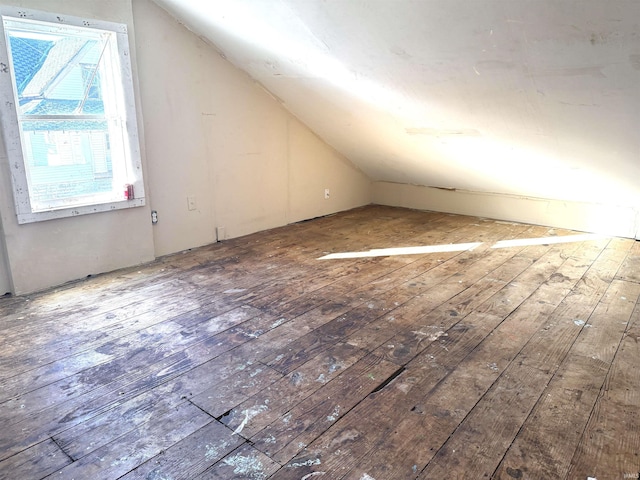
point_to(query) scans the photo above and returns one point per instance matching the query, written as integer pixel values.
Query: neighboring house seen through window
(71, 130)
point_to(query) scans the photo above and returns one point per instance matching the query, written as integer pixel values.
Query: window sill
(24, 218)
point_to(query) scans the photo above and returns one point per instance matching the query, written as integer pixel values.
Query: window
(70, 131)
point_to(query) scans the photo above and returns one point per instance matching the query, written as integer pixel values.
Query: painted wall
(43, 254)
(602, 218)
(5, 278)
(209, 133)
(523, 98)
(313, 167)
(215, 135)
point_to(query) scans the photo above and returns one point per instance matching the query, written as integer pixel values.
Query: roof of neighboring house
(41, 66)
(28, 56)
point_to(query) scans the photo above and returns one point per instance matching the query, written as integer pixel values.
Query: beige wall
(208, 131)
(5, 279)
(314, 167)
(214, 134)
(617, 220)
(43, 254)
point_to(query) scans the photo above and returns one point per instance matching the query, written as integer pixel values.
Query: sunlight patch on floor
(386, 252)
(461, 247)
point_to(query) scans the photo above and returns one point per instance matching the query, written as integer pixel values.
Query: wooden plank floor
(255, 359)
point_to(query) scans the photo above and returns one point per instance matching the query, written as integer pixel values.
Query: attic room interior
(320, 239)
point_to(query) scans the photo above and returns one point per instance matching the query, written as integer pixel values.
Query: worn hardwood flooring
(497, 350)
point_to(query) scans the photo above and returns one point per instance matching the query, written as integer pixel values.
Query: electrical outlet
(326, 193)
(154, 216)
(191, 202)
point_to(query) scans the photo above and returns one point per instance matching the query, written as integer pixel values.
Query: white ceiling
(527, 97)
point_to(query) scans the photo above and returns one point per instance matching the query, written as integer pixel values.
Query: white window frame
(12, 133)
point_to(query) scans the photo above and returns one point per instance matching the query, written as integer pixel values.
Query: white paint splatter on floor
(212, 451)
(278, 322)
(248, 415)
(307, 463)
(334, 415)
(247, 466)
(157, 475)
(309, 475)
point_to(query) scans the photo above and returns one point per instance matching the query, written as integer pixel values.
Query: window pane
(67, 159)
(58, 72)
(74, 118)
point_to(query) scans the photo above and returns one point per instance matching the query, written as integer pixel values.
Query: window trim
(11, 129)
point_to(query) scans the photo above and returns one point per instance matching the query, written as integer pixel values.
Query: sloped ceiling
(538, 98)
